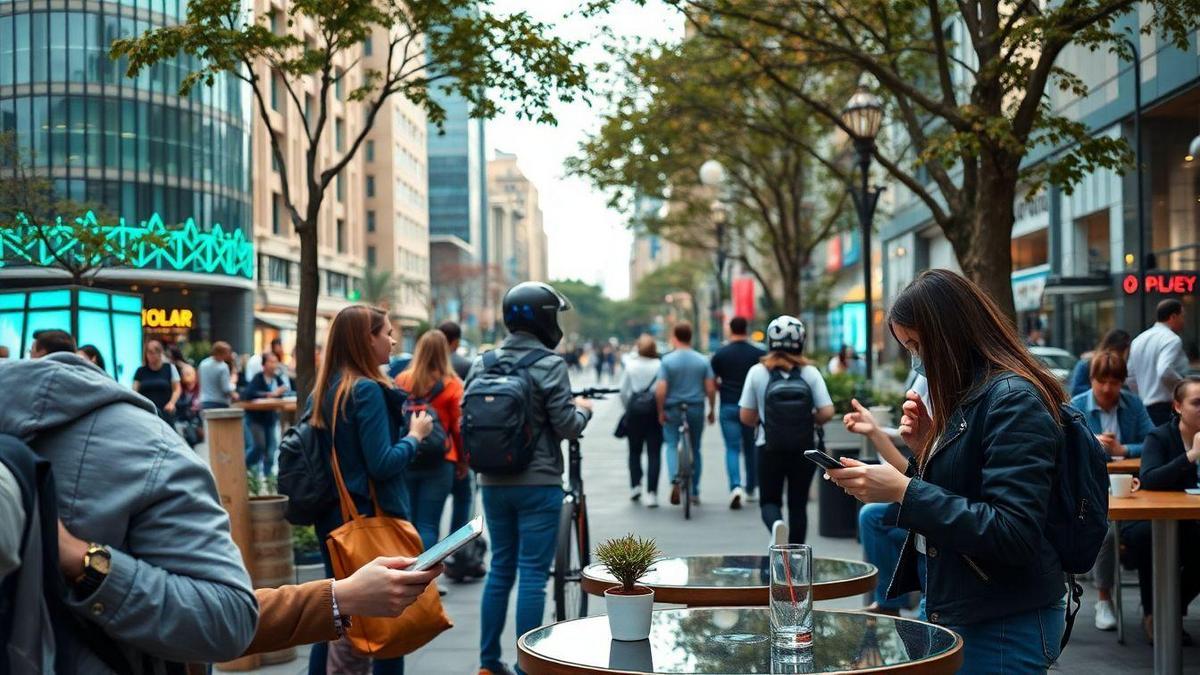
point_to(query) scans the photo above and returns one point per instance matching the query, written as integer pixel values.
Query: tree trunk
(983, 240)
(306, 318)
(791, 291)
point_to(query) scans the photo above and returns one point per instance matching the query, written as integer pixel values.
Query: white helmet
(786, 334)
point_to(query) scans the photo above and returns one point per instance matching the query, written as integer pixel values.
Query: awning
(1058, 285)
(276, 320)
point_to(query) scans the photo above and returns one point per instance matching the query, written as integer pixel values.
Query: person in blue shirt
(684, 377)
(1115, 340)
(264, 424)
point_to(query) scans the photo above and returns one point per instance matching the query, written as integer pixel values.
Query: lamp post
(862, 117)
(712, 174)
(1137, 151)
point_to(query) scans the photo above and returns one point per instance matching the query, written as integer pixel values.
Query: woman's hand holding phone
(382, 587)
(870, 483)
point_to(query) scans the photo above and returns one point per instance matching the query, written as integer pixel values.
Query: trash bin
(838, 515)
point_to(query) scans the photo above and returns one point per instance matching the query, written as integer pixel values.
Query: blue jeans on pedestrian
(427, 492)
(462, 495)
(671, 440)
(881, 547)
(523, 524)
(1027, 642)
(739, 442)
(262, 443)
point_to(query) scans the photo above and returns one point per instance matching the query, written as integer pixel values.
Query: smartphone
(442, 550)
(1192, 491)
(822, 460)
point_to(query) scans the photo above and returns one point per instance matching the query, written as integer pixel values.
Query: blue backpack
(497, 429)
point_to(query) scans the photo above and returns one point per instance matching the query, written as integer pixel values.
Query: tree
(35, 222)
(456, 46)
(679, 105)
(679, 281)
(966, 84)
(378, 288)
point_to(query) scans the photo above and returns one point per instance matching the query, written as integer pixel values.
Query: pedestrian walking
(268, 383)
(730, 365)
(218, 378)
(977, 497)
(462, 492)
(1115, 340)
(684, 378)
(847, 362)
(1157, 361)
(641, 419)
(785, 399)
(158, 380)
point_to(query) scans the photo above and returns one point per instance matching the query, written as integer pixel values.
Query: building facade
(148, 159)
(518, 246)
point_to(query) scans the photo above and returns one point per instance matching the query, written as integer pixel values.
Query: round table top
(736, 640)
(728, 580)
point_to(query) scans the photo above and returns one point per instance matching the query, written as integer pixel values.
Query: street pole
(717, 318)
(1141, 201)
(865, 198)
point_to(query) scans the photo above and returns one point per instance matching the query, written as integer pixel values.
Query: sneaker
(651, 500)
(635, 493)
(752, 495)
(675, 494)
(779, 533)
(735, 498)
(695, 500)
(1105, 618)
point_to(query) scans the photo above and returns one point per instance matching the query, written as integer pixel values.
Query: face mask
(918, 366)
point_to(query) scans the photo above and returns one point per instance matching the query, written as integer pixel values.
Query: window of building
(276, 23)
(370, 151)
(278, 271)
(1031, 249)
(277, 91)
(370, 256)
(339, 134)
(337, 285)
(339, 187)
(367, 48)
(339, 84)
(370, 186)
(277, 211)
(1093, 232)
(341, 235)
(370, 221)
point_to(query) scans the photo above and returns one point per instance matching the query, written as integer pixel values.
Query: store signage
(1176, 283)
(158, 317)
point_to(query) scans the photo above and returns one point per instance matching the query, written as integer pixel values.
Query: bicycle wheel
(570, 557)
(685, 474)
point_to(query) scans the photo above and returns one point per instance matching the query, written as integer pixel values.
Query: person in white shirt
(1157, 362)
(641, 418)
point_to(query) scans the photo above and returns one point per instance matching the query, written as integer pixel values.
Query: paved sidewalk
(714, 528)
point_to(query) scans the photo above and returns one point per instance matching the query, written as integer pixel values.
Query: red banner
(743, 297)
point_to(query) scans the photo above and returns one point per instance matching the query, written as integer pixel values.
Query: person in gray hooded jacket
(162, 577)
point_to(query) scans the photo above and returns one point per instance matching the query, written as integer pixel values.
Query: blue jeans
(671, 440)
(523, 524)
(739, 440)
(427, 492)
(262, 443)
(1020, 643)
(881, 547)
(463, 500)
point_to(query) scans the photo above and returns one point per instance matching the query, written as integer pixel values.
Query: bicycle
(683, 477)
(572, 552)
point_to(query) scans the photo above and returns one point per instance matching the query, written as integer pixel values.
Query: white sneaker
(1106, 619)
(651, 501)
(695, 500)
(751, 496)
(779, 533)
(735, 498)
(635, 493)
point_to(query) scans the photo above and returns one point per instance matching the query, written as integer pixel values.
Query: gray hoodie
(177, 589)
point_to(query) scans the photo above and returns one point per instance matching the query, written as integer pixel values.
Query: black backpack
(643, 403)
(305, 475)
(497, 428)
(1077, 520)
(431, 451)
(788, 422)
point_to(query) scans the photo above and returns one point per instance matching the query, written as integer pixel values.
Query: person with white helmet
(785, 397)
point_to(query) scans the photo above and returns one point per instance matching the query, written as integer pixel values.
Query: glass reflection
(728, 640)
(735, 571)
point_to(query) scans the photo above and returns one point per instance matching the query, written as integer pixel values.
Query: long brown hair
(781, 360)
(964, 336)
(430, 363)
(348, 353)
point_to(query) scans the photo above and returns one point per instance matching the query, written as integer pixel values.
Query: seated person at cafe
(1170, 458)
(1120, 422)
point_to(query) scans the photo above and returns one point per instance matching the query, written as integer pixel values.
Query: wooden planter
(271, 556)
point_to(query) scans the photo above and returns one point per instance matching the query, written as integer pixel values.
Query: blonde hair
(430, 363)
(780, 360)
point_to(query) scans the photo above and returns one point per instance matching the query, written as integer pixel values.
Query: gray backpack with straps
(497, 428)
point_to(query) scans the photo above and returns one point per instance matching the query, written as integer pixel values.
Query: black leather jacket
(981, 503)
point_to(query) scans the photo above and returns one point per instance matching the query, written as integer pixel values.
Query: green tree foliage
(460, 46)
(80, 238)
(678, 105)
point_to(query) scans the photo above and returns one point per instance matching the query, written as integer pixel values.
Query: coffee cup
(1120, 485)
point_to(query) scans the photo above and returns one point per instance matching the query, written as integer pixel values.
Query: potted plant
(306, 549)
(628, 559)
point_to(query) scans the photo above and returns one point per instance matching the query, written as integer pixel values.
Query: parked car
(1059, 361)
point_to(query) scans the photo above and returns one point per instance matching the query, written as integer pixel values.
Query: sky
(588, 241)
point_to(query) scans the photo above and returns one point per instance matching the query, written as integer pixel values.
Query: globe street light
(862, 117)
(712, 174)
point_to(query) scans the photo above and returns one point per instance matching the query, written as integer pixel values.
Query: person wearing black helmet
(522, 507)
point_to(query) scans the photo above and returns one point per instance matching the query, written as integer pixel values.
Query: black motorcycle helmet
(533, 307)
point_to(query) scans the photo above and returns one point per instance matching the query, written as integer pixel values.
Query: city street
(714, 528)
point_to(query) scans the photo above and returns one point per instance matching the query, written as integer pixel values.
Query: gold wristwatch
(96, 563)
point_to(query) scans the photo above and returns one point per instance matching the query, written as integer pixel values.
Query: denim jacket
(1132, 419)
(981, 502)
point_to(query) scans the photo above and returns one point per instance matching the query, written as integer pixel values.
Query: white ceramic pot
(629, 615)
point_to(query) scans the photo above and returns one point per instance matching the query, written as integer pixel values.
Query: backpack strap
(530, 359)
(1075, 594)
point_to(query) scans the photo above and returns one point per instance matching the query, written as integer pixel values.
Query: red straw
(787, 573)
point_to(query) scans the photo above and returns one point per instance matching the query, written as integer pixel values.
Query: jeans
(644, 431)
(1021, 643)
(1104, 572)
(263, 442)
(523, 523)
(462, 495)
(773, 469)
(739, 440)
(427, 492)
(695, 419)
(881, 547)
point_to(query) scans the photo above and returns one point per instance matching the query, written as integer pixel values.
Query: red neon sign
(1161, 284)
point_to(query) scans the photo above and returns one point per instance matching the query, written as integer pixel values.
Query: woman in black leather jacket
(976, 495)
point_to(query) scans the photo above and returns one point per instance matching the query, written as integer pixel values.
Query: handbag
(359, 540)
(622, 429)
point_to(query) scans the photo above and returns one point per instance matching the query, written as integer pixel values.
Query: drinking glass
(791, 596)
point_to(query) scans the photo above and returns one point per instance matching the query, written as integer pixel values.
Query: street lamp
(712, 174)
(862, 117)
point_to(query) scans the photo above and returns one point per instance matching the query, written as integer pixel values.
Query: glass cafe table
(736, 640)
(731, 580)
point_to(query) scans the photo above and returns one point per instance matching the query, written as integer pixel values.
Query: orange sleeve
(449, 407)
(290, 616)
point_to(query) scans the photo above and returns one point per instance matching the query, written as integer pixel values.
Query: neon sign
(157, 317)
(187, 248)
(1174, 283)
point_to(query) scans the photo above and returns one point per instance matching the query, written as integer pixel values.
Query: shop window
(1093, 231)
(1031, 249)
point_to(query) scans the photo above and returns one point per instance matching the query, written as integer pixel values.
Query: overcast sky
(587, 240)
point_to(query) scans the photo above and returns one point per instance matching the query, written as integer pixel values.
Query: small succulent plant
(628, 558)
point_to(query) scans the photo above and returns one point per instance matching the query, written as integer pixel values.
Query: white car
(1059, 361)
